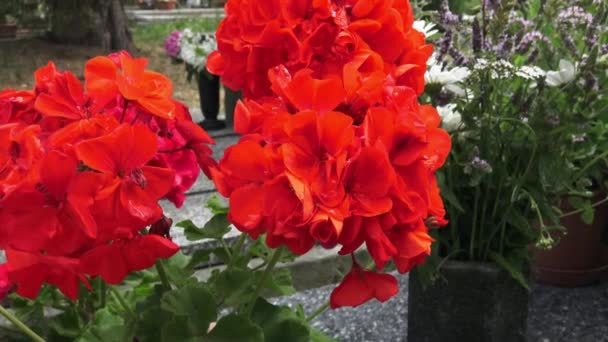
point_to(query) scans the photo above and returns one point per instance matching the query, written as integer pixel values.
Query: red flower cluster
(82, 171)
(336, 148)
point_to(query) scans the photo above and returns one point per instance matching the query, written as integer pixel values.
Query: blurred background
(69, 32)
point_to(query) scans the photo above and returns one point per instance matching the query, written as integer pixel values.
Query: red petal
(126, 148)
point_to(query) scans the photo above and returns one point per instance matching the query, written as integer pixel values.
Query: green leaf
(217, 206)
(107, 327)
(280, 282)
(319, 336)
(178, 329)
(236, 328)
(216, 228)
(279, 323)
(235, 285)
(505, 264)
(221, 253)
(67, 324)
(191, 231)
(200, 256)
(587, 215)
(194, 302)
(177, 269)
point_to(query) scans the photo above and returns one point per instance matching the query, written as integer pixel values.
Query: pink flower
(5, 283)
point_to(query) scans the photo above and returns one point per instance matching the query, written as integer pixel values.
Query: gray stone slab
(555, 315)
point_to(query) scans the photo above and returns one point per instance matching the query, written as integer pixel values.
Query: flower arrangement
(191, 48)
(336, 151)
(522, 98)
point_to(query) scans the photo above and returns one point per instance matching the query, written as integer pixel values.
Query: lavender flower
(575, 15)
(528, 39)
(478, 164)
(446, 17)
(172, 44)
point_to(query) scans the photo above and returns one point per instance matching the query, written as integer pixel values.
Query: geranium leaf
(236, 328)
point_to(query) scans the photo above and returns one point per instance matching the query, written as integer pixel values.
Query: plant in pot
(193, 48)
(8, 14)
(503, 181)
(576, 84)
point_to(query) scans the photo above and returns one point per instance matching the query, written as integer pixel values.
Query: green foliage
(156, 32)
(236, 328)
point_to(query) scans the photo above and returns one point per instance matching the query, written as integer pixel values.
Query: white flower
(565, 74)
(451, 79)
(428, 29)
(530, 72)
(450, 118)
(195, 47)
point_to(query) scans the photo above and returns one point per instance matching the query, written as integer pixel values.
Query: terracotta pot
(166, 5)
(470, 301)
(580, 258)
(8, 30)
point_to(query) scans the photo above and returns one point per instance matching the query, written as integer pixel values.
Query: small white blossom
(428, 29)
(565, 74)
(530, 72)
(451, 120)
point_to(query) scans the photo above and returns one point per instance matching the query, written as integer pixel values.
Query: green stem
(20, 325)
(226, 249)
(276, 256)
(570, 213)
(103, 296)
(590, 164)
(162, 274)
(237, 246)
(317, 312)
(123, 303)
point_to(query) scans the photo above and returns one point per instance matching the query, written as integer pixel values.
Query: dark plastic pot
(209, 93)
(579, 258)
(469, 302)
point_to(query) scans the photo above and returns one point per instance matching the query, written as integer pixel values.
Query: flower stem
(276, 256)
(162, 274)
(103, 294)
(20, 325)
(119, 298)
(317, 312)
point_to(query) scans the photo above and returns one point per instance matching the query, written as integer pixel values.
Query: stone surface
(146, 16)
(554, 315)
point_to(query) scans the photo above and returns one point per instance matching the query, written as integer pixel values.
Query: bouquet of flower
(191, 48)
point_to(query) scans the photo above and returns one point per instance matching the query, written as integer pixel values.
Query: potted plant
(166, 4)
(8, 13)
(512, 162)
(576, 84)
(192, 48)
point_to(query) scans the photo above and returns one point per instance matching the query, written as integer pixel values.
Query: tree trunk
(99, 23)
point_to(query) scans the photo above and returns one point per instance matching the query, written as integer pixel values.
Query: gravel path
(555, 315)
